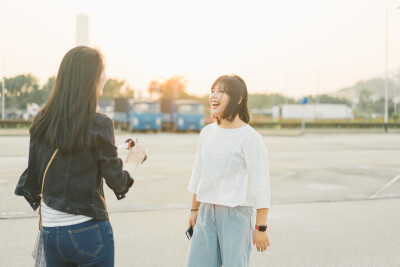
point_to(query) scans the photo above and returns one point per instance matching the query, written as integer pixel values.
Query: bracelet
(194, 210)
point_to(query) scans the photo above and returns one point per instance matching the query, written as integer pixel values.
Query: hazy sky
(265, 42)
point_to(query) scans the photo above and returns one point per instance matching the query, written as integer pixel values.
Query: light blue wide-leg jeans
(222, 236)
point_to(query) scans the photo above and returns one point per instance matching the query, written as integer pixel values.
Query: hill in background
(375, 86)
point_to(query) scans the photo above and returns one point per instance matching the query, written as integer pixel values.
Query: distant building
(82, 30)
(312, 112)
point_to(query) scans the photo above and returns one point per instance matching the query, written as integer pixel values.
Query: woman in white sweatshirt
(229, 182)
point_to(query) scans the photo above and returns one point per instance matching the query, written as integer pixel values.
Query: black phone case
(189, 232)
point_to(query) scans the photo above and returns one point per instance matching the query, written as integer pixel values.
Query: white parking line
(284, 175)
(386, 186)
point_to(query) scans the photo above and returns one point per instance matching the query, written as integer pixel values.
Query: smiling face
(219, 100)
(228, 99)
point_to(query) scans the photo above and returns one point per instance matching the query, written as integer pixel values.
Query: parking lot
(335, 201)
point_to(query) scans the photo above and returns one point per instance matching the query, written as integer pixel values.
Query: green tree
(169, 88)
(40, 97)
(364, 106)
(327, 99)
(264, 101)
(20, 90)
(115, 88)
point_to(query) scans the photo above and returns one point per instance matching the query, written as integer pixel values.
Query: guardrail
(261, 124)
(15, 124)
(317, 125)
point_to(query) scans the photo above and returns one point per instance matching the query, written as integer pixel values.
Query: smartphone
(189, 232)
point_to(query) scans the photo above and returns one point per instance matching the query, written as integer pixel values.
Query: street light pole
(317, 85)
(316, 68)
(3, 96)
(386, 67)
(386, 70)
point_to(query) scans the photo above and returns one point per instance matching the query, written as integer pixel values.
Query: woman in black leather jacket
(76, 230)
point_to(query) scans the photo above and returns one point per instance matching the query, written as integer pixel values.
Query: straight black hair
(235, 87)
(66, 120)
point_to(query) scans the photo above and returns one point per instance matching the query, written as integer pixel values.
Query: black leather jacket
(74, 183)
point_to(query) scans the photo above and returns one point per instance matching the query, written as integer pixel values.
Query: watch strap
(261, 228)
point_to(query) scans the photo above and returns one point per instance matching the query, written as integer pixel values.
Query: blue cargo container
(138, 115)
(184, 115)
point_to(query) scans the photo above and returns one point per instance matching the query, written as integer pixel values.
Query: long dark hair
(236, 89)
(66, 120)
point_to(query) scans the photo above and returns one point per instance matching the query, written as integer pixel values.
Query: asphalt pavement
(335, 202)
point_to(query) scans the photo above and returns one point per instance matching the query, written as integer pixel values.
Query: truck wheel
(130, 128)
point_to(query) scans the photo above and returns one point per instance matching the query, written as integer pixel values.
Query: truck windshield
(190, 109)
(148, 108)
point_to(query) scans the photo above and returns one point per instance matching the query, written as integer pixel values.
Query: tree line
(25, 89)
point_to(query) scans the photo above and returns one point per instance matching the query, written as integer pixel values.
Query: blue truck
(182, 115)
(137, 115)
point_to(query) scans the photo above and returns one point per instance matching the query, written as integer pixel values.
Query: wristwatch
(261, 228)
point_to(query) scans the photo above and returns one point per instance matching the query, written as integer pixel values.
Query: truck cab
(186, 115)
(138, 115)
(145, 115)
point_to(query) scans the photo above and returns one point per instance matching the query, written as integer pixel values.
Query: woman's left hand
(261, 240)
(135, 156)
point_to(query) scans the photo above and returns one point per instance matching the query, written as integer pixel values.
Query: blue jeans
(85, 244)
(222, 236)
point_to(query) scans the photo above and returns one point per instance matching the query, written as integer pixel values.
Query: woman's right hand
(193, 218)
(135, 156)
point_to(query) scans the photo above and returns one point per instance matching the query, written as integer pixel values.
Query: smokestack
(82, 30)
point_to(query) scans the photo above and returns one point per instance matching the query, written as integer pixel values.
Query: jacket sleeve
(110, 166)
(30, 179)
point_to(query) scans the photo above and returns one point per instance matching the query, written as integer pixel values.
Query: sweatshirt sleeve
(110, 165)
(255, 154)
(197, 167)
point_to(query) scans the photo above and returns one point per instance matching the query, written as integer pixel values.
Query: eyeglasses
(216, 93)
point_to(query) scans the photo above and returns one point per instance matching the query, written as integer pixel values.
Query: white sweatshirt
(231, 168)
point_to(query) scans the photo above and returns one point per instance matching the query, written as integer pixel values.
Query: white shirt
(231, 168)
(53, 218)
